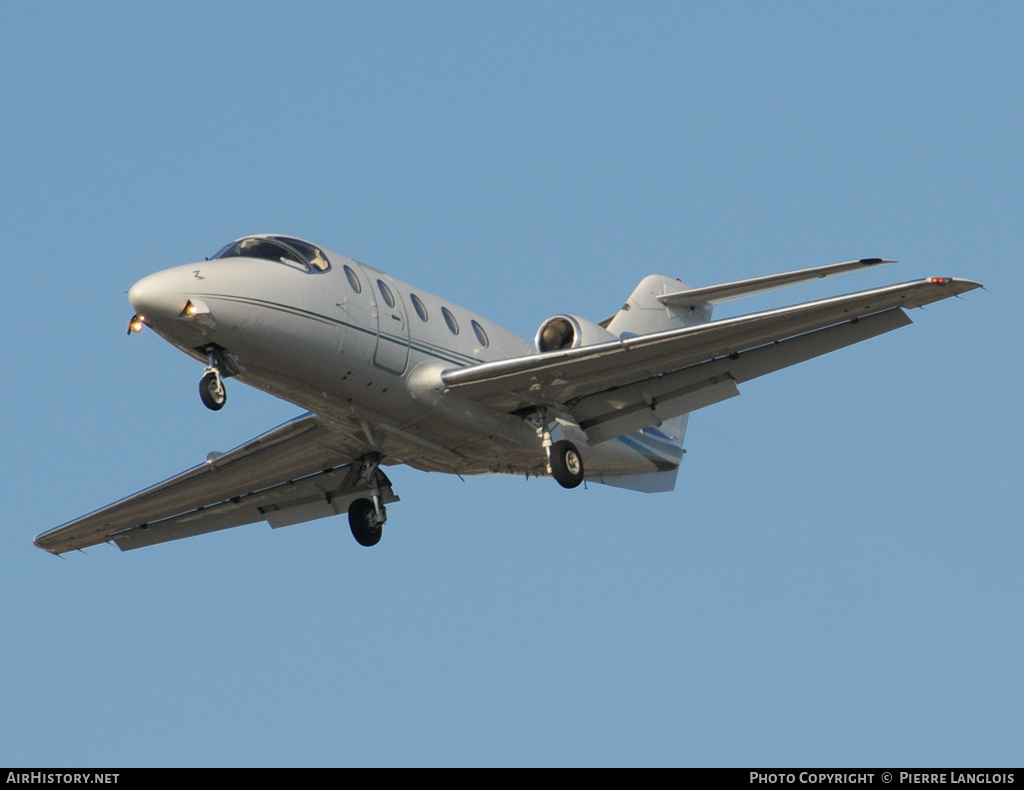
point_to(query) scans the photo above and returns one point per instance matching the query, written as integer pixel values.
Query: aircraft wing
(296, 472)
(623, 385)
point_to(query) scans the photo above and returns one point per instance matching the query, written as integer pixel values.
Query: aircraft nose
(159, 296)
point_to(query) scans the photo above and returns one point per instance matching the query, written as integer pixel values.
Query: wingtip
(958, 284)
(44, 541)
(47, 549)
(876, 261)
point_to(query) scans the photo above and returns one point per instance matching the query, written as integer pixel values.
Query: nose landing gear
(211, 386)
(212, 391)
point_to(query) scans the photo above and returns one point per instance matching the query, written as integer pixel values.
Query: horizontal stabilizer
(713, 294)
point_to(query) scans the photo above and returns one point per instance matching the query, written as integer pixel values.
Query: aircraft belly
(331, 363)
(372, 408)
(425, 441)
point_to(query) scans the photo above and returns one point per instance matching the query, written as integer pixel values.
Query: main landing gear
(211, 386)
(366, 517)
(566, 464)
(366, 524)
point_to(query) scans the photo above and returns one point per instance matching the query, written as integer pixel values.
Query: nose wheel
(212, 391)
(211, 386)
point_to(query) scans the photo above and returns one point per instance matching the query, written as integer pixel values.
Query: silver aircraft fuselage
(366, 367)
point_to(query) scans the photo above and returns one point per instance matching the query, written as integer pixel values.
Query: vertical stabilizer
(643, 312)
(656, 451)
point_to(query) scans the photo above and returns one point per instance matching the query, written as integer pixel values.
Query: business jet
(390, 374)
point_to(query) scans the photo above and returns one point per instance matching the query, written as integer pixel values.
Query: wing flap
(220, 493)
(559, 377)
(648, 404)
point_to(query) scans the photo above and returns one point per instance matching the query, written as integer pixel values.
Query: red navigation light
(941, 280)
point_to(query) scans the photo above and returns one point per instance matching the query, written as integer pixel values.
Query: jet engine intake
(570, 331)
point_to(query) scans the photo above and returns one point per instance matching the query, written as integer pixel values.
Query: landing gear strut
(366, 517)
(211, 387)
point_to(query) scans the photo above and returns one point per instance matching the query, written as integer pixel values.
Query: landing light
(193, 308)
(136, 324)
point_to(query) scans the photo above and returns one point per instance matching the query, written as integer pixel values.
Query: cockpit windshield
(281, 249)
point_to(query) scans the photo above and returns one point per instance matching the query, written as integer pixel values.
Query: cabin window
(481, 335)
(450, 320)
(421, 309)
(353, 279)
(389, 298)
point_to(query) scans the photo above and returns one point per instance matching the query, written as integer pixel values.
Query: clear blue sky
(837, 578)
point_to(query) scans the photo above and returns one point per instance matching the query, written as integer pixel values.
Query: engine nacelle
(570, 331)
